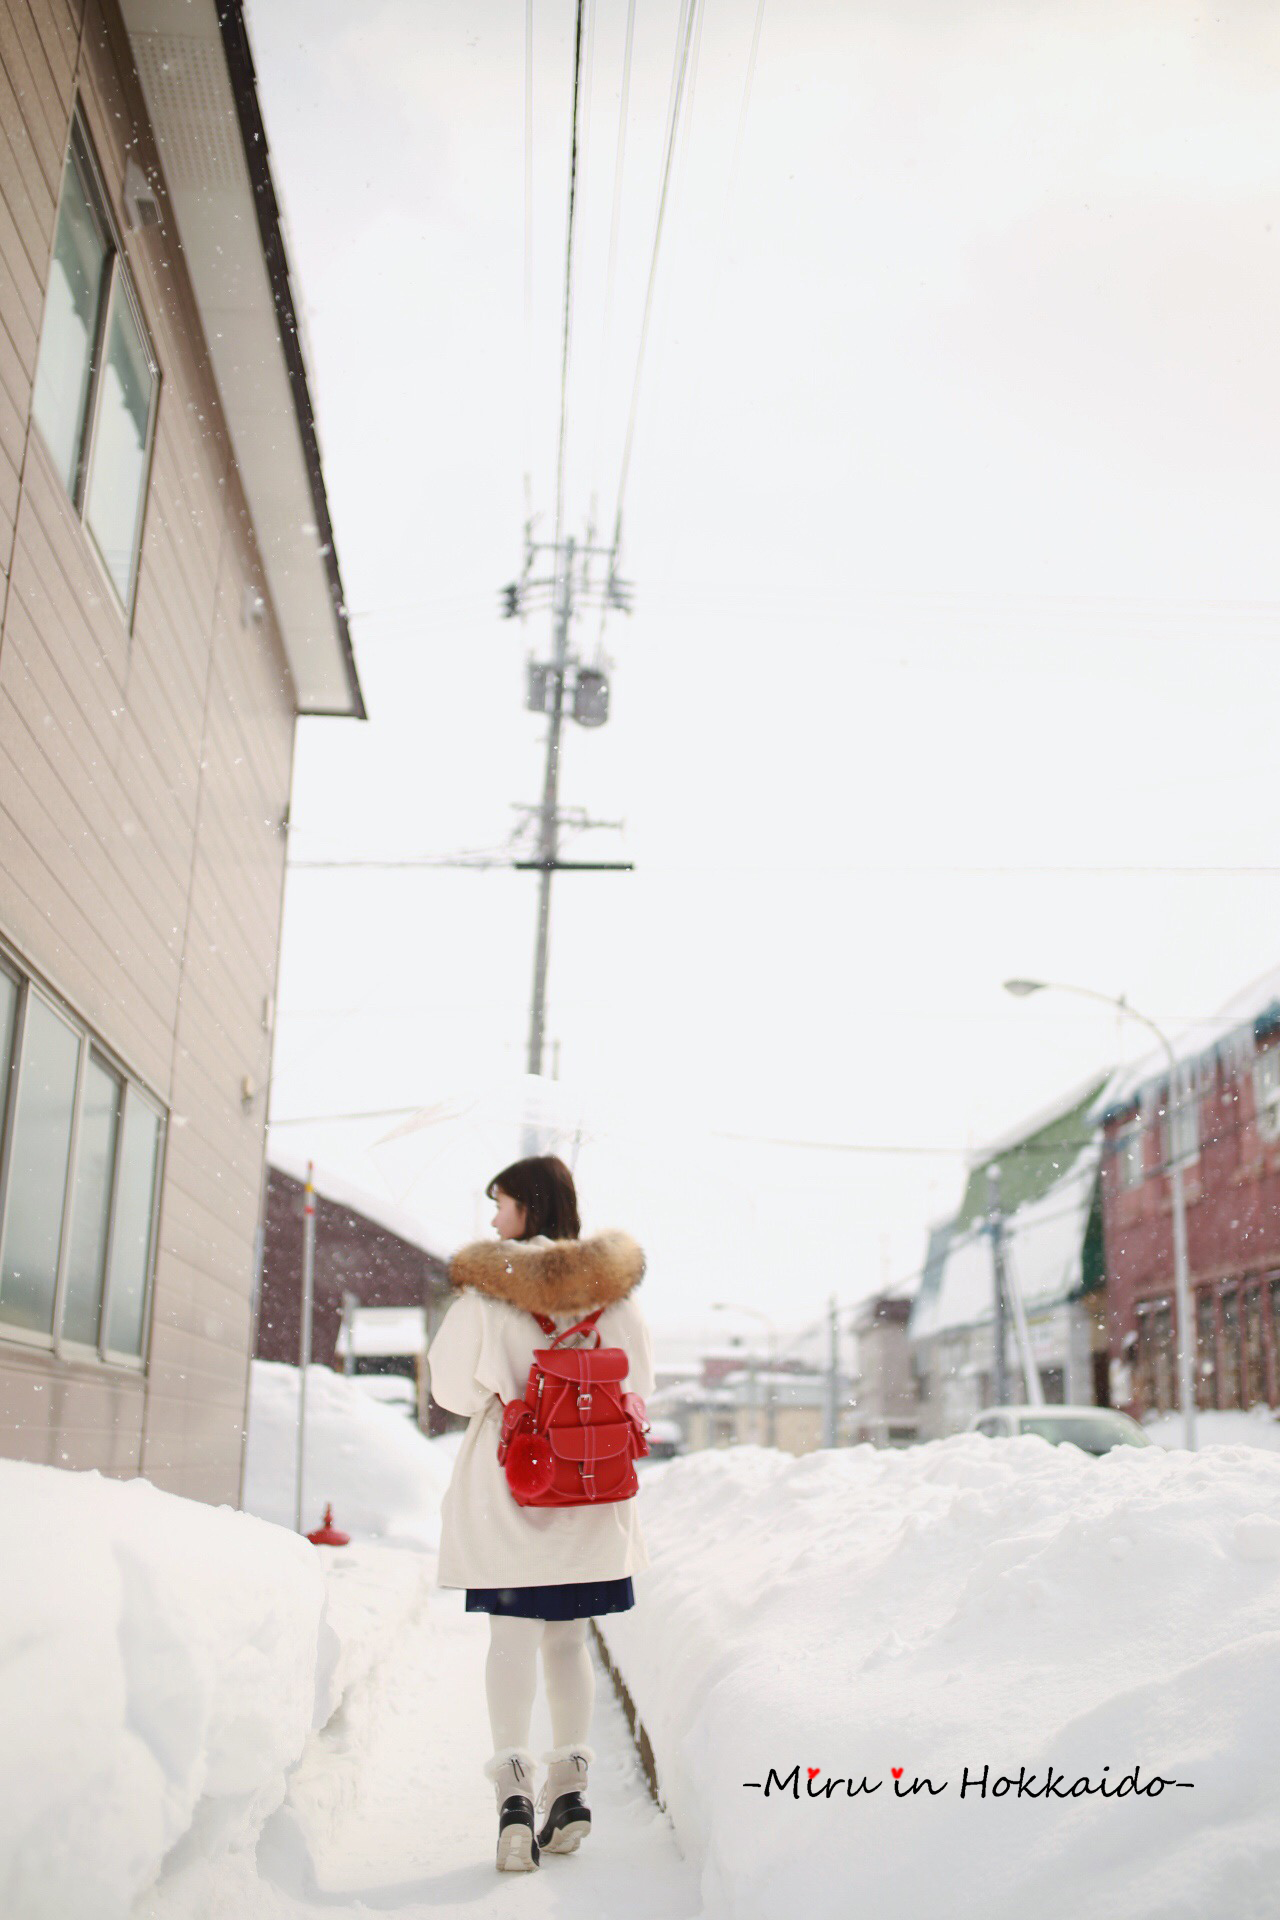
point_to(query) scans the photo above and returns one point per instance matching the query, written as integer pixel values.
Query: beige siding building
(171, 603)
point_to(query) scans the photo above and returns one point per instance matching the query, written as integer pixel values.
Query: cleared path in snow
(389, 1812)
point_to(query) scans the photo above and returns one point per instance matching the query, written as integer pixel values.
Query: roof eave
(244, 87)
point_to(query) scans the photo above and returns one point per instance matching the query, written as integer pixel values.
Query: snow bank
(1259, 1427)
(963, 1605)
(158, 1678)
(384, 1477)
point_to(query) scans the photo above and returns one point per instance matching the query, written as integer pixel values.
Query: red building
(362, 1248)
(1229, 1143)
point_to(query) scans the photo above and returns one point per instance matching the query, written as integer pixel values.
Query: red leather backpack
(573, 1439)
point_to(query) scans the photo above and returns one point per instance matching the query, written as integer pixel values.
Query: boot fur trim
(566, 1753)
(552, 1276)
(496, 1762)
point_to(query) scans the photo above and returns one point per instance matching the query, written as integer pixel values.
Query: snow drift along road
(963, 1604)
(161, 1666)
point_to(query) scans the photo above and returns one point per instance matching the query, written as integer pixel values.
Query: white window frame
(62, 1349)
(1130, 1153)
(1188, 1112)
(117, 281)
(1266, 1091)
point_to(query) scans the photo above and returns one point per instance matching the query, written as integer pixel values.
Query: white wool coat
(483, 1350)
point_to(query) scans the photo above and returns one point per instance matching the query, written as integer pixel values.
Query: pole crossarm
(574, 866)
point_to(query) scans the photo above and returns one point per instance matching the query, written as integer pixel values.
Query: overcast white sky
(953, 526)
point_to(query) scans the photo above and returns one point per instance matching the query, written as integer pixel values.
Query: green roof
(1031, 1166)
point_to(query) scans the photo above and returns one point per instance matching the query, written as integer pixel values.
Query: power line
(965, 872)
(746, 94)
(615, 217)
(568, 274)
(680, 72)
(528, 261)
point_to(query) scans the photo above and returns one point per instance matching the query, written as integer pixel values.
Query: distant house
(1228, 1138)
(886, 1397)
(170, 603)
(1048, 1173)
(379, 1290)
(730, 1403)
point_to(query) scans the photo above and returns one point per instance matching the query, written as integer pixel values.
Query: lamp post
(727, 1306)
(1181, 1271)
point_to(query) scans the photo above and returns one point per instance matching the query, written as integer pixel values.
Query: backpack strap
(584, 1326)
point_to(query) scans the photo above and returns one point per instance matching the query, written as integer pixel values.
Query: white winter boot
(564, 1818)
(511, 1771)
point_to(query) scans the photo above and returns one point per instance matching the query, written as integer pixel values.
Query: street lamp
(727, 1306)
(1021, 989)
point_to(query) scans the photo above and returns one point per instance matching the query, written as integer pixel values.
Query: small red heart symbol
(814, 1771)
(896, 1772)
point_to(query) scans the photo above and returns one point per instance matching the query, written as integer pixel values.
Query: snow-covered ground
(968, 1604)
(206, 1718)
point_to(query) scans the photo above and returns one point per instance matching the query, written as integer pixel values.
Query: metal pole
(548, 835)
(1181, 1264)
(833, 1375)
(304, 1348)
(1030, 1371)
(995, 1228)
(1181, 1269)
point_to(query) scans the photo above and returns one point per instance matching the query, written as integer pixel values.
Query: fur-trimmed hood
(552, 1276)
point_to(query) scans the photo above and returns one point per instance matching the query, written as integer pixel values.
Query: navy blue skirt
(575, 1600)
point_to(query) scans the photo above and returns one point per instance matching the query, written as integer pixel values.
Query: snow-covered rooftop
(383, 1333)
(1229, 1030)
(1044, 1249)
(345, 1192)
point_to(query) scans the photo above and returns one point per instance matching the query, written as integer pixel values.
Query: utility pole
(1009, 1303)
(995, 1228)
(569, 586)
(549, 818)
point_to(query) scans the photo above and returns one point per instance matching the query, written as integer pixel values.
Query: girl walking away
(538, 1524)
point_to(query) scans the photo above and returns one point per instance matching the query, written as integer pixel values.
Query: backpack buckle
(584, 1400)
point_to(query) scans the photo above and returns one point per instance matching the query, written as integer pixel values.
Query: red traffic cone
(328, 1535)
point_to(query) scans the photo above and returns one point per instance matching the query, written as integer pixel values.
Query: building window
(1206, 1351)
(1157, 1357)
(1266, 1092)
(1053, 1386)
(1229, 1376)
(1253, 1384)
(97, 381)
(1180, 1132)
(1130, 1156)
(79, 1183)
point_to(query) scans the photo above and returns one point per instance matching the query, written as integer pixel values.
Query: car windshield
(1095, 1433)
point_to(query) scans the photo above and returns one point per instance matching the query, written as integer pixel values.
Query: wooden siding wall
(144, 779)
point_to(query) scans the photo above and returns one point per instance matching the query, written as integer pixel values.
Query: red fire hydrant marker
(328, 1535)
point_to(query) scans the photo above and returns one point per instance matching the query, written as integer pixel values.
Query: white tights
(511, 1678)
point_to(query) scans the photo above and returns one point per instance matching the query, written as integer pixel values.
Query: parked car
(665, 1440)
(1093, 1429)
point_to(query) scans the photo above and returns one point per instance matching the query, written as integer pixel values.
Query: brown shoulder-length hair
(544, 1187)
